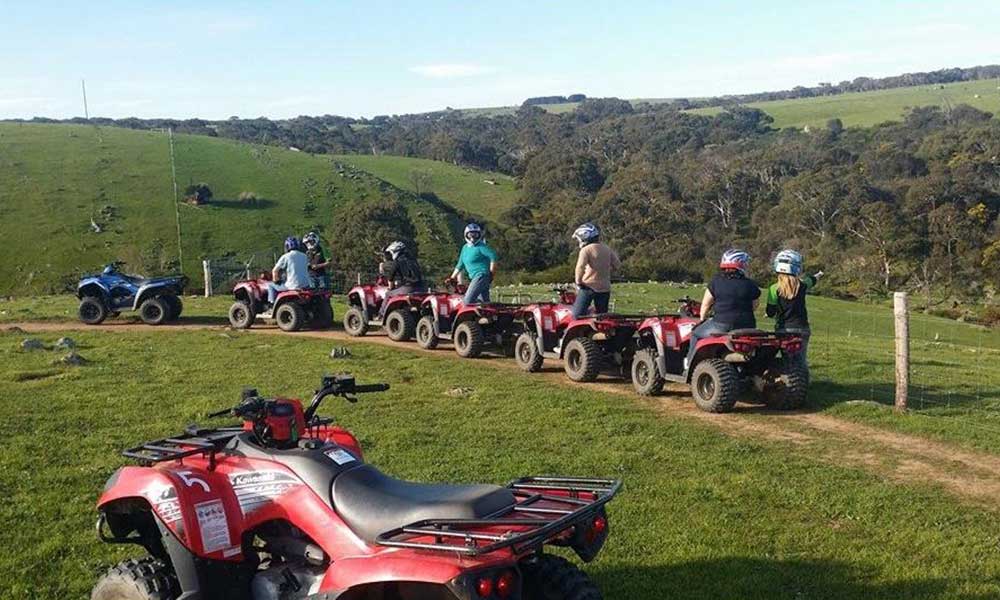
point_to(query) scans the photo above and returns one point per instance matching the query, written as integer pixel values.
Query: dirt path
(973, 476)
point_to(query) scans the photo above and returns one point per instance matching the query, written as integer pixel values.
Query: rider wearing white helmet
(786, 299)
(402, 270)
(318, 262)
(479, 262)
(731, 296)
(594, 266)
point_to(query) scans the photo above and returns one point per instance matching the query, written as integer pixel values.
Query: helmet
(735, 259)
(788, 262)
(473, 233)
(586, 233)
(395, 249)
(311, 238)
(291, 243)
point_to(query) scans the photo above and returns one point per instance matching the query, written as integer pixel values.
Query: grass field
(457, 186)
(703, 516)
(870, 108)
(55, 178)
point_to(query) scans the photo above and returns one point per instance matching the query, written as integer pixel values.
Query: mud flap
(183, 563)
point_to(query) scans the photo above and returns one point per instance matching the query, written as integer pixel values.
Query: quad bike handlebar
(253, 407)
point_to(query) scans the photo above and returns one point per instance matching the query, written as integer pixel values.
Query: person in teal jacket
(479, 262)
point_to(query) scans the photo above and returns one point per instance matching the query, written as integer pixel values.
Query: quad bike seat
(371, 502)
(747, 331)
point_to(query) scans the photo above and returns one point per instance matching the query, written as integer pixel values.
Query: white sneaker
(267, 314)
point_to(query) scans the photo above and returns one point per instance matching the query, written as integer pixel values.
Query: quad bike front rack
(550, 505)
(183, 446)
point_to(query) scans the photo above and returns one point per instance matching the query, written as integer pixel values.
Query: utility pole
(86, 111)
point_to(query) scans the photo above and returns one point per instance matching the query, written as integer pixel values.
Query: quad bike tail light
(792, 346)
(743, 347)
(589, 536)
(494, 584)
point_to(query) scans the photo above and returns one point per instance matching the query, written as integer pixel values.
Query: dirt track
(973, 476)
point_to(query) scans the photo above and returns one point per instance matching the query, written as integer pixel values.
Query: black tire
(785, 385)
(175, 305)
(290, 317)
(426, 337)
(715, 385)
(241, 315)
(92, 310)
(526, 353)
(154, 311)
(322, 314)
(400, 325)
(468, 339)
(582, 359)
(143, 579)
(646, 377)
(354, 322)
(548, 577)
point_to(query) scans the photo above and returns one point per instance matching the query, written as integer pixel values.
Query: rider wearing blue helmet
(479, 262)
(731, 296)
(294, 265)
(786, 299)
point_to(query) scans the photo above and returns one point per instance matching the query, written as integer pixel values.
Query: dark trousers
(584, 296)
(402, 290)
(706, 329)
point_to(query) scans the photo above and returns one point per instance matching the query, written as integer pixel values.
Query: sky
(219, 59)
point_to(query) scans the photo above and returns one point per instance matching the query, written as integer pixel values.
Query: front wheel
(154, 311)
(469, 339)
(92, 310)
(582, 359)
(715, 385)
(144, 579)
(548, 577)
(786, 384)
(241, 315)
(400, 325)
(646, 377)
(290, 317)
(355, 323)
(426, 337)
(526, 353)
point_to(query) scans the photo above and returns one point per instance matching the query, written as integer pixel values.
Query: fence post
(901, 312)
(206, 265)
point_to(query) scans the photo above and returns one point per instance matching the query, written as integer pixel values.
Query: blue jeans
(272, 291)
(479, 289)
(584, 296)
(706, 329)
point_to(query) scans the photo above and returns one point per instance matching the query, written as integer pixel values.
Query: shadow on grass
(261, 203)
(757, 578)
(824, 394)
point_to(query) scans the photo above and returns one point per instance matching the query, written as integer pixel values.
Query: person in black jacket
(731, 296)
(786, 299)
(402, 271)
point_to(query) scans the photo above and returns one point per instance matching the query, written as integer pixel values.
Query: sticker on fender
(339, 456)
(214, 525)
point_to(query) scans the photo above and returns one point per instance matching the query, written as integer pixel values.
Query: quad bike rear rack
(550, 505)
(183, 446)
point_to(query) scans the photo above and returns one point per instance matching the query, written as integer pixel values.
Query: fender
(429, 307)
(355, 572)
(536, 316)
(653, 327)
(575, 329)
(146, 291)
(250, 290)
(92, 282)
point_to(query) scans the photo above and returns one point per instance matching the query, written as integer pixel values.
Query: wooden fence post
(901, 312)
(206, 265)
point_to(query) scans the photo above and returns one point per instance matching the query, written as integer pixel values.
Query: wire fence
(224, 272)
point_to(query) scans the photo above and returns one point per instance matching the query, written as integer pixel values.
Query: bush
(991, 316)
(247, 198)
(198, 193)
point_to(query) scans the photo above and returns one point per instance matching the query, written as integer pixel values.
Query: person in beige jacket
(594, 267)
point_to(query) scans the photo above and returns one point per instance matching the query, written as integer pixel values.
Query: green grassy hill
(871, 108)
(463, 188)
(54, 179)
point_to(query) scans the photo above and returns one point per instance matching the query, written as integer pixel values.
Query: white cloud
(451, 70)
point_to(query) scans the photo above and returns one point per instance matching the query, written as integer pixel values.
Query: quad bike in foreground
(437, 313)
(293, 309)
(725, 366)
(284, 507)
(541, 327)
(158, 299)
(368, 304)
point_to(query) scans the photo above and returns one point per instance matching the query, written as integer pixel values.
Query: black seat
(371, 502)
(748, 331)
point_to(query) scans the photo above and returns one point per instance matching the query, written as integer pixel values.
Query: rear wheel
(290, 317)
(92, 310)
(154, 311)
(526, 353)
(469, 339)
(548, 577)
(786, 384)
(582, 359)
(426, 336)
(715, 385)
(354, 322)
(143, 579)
(400, 325)
(175, 305)
(646, 377)
(241, 315)
(322, 314)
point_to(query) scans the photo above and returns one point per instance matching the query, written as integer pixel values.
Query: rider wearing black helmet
(401, 270)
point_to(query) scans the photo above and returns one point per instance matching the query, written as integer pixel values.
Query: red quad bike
(366, 304)
(480, 326)
(285, 508)
(437, 313)
(541, 328)
(293, 309)
(724, 366)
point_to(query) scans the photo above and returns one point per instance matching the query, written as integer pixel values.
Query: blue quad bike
(158, 300)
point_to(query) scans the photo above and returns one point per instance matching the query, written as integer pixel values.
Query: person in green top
(786, 299)
(479, 262)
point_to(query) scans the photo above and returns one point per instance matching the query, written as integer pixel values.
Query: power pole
(86, 111)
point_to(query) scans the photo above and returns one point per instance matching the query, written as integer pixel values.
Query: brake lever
(351, 399)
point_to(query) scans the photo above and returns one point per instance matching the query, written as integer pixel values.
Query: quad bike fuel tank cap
(311, 444)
